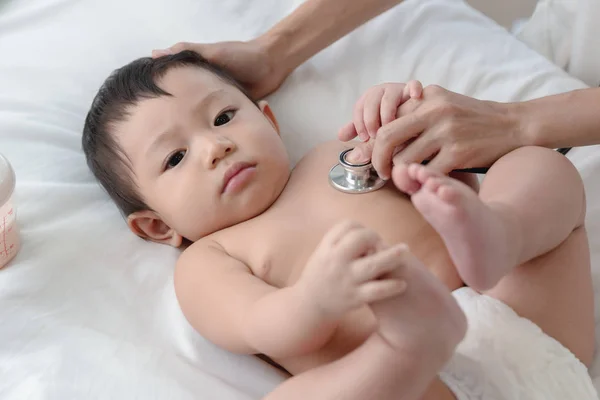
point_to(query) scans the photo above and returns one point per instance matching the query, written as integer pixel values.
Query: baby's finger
(380, 290)
(357, 243)
(414, 89)
(377, 265)
(391, 100)
(371, 110)
(358, 116)
(340, 230)
(408, 107)
(347, 132)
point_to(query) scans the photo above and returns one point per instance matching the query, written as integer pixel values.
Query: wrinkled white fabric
(568, 33)
(506, 357)
(87, 310)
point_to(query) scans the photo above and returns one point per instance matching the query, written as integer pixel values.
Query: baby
(349, 293)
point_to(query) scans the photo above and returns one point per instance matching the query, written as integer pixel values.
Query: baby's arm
(241, 313)
(234, 309)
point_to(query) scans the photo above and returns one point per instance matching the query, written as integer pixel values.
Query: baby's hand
(377, 107)
(349, 269)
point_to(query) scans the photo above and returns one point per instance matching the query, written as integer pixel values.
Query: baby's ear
(148, 225)
(266, 110)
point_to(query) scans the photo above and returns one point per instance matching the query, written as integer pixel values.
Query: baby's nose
(221, 154)
(218, 148)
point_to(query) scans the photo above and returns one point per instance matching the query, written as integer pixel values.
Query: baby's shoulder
(199, 248)
(205, 256)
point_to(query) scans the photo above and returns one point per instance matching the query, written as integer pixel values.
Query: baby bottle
(9, 234)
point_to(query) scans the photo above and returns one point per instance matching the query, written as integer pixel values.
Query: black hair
(123, 89)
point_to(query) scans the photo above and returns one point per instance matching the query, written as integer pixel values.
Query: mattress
(88, 310)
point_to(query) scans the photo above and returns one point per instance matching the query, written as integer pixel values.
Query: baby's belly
(389, 214)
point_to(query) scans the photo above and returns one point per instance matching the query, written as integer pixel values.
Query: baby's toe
(402, 179)
(433, 184)
(449, 194)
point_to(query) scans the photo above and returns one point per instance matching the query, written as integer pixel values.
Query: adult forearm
(565, 120)
(285, 324)
(315, 25)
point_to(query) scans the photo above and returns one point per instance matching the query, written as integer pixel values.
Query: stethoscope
(354, 178)
(362, 178)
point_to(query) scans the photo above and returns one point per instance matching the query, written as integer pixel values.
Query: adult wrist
(275, 46)
(522, 125)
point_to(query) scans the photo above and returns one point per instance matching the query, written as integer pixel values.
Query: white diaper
(506, 357)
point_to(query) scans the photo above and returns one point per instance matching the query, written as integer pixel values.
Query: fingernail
(363, 136)
(354, 156)
(402, 286)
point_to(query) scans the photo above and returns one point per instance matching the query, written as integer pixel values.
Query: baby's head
(182, 149)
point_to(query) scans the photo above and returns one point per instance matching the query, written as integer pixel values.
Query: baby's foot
(480, 239)
(424, 322)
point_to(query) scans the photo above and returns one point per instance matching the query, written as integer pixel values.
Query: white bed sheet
(87, 310)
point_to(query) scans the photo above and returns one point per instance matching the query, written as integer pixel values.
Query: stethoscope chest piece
(354, 178)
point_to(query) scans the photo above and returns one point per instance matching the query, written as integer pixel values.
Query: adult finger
(176, 48)
(418, 150)
(444, 162)
(391, 136)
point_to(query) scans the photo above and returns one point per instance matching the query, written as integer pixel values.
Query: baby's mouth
(236, 176)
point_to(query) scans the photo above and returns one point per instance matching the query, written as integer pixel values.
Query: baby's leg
(553, 290)
(417, 334)
(530, 202)
(531, 207)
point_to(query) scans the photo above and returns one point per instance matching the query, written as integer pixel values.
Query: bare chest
(277, 244)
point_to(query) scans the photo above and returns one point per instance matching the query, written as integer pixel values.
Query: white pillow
(87, 309)
(568, 34)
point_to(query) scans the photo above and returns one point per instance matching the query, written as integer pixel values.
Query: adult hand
(451, 130)
(377, 107)
(248, 62)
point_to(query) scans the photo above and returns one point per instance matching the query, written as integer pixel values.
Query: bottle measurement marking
(7, 227)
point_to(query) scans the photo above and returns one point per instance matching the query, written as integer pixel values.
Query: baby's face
(205, 158)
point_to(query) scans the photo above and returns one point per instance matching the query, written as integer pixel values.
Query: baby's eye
(224, 118)
(175, 159)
